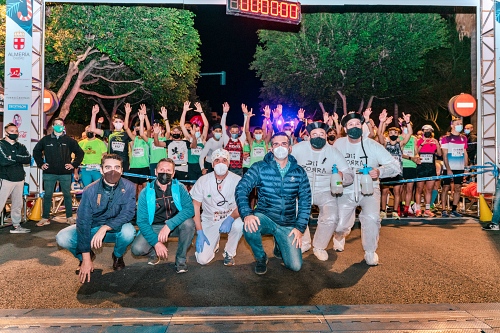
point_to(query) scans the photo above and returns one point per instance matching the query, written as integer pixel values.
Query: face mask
(393, 137)
(197, 134)
(354, 133)
(280, 153)
(331, 137)
(58, 128)
(289, 133)
(112, 177)
(90, 135)
(176, 136)
(258, 137)
(234, 135)
(459, 128)
(318, 143)
(118, 126)
(217, 136)
(12, 136)
(220, 169)
(164, 178)
(427, 134)
(467, 131)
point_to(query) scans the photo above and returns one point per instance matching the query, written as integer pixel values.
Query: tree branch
(138, 81)
(93, 93)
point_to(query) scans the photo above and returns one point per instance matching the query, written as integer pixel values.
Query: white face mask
(220, 169)
(258, 137)
(288, 133)
(118, 126)
(280, 153)
(197, 134)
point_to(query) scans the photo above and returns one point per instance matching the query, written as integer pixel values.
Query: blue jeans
(49, 182)
(90, 176)
(67, 239)
(292, 256)
(185, 233)
(496, 205)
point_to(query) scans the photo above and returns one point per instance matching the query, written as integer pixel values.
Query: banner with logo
(18, 48)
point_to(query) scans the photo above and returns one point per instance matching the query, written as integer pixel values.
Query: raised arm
(128, 110)
(366, 115)
(156, 133)
(407, 136)
(182, 123)
(382, 125)
(95, 111)
(163, 114)
(225, 110)
(246, 125)
(199, 109)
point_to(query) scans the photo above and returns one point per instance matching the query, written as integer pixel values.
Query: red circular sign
(464, 105)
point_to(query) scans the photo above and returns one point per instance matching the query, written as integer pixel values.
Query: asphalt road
(449, 263)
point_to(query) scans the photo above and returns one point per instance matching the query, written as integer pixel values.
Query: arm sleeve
(342, 166)
(225, 137)
(75, 148)
(83, 223)
(37, 153)
(4, 158)
(303, 204)
(23, 156)
(243, 189)
(128, 211)
(187, 211)
(143, 220)
(204, 153)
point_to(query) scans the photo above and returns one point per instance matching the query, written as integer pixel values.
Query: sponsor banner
(18, 66)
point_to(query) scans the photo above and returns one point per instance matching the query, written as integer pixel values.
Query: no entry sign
(462, 105)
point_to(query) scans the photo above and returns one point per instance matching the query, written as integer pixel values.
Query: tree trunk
(361, 105)
(344, 101)
(370, 102)
(72, 71)
(396, 114)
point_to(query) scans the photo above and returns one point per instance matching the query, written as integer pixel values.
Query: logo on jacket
(292, 179)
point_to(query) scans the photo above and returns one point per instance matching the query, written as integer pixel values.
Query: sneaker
(42, 222)
(338, 245)
(395, 216)
(19, 230)
(491, 226)
(383, 215)
(454, 213)
(418, 213)
(321, 254)
(305, 247)
(153, 259)
(181, 268)
(371, 258)
(428, 213)
(228, 260)
(118, 262)
(261, 266)
(405, 211)
(277, 251)
(444, 213)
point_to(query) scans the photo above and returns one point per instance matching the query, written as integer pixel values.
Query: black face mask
(393, 137)
(318, 143)
(90, 135)
(176, 136)
(164, 178)
(12, 136)
(427, 134)
(331, 137)
(354, 133)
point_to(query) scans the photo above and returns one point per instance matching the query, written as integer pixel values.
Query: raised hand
(301, 113)
(95, 109)
(388, 120)
(326, 117)
(186, 106)
(267, 111)
(335, 117)
(244, 108)
(128, 108)
(383, 116)
(142, 109)
(225, 107)
(163, 112)
(367, 113)
(279, 109)
(406, 118)
(198, 107)
(156, 129)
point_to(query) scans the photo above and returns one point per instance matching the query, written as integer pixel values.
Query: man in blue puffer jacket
(164, 206)
(283, 204)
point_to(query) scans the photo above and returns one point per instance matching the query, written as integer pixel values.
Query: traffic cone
(36, 211)
(485, 213)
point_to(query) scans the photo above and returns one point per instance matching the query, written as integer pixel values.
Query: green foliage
(158, 45)
(358, 54)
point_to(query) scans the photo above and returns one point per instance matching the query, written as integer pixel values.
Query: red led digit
(294, 13)
(244, 5)
(284, 9)
(255, 6)
(274, 8)
(264, 7)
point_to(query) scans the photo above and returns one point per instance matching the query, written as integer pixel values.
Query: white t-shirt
(378, 157)
(205, 191)
(206, 153)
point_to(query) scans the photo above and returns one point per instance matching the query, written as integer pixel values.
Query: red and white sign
(465, 105)
(19, 40)
(15, 73)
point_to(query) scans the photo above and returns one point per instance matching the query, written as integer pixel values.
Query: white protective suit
(318, 166)
(377, 157)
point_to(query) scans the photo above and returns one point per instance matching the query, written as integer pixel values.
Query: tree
(352, 56)
(112, 52)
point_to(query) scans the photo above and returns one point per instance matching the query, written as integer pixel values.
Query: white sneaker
(305, 248)
(19, 230)
(383, 215)
(320, 254)
(338, 245)
(371, 258)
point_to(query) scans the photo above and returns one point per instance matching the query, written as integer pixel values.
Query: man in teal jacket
(164, 207)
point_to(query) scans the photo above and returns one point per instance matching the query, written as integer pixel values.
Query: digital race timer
(271, 10)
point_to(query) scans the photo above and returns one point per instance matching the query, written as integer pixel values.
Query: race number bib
(118, 146)
(259, 152)
(91, 167)
(427, 158)
(156, 147)
(234, 155)
(196, 151)
(409, 152)
(220, 216)
(138, 152)
(457, 152)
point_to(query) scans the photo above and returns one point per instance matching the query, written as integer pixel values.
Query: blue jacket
(277, 197)
(147, 204)
(94, 210)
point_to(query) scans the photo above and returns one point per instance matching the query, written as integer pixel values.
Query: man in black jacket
(12, 157)
(283, 204)
(57, 148)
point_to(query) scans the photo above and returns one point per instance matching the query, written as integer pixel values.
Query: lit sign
(271, 10)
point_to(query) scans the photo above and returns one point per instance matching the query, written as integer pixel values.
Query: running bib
(138, 152)
(457, 152)
(156, 147)
(259, 152)
(409, 152)
(234, 155)
(118, 146)
(196, 151)
(90, 167)
(427, 158)
(218, 216)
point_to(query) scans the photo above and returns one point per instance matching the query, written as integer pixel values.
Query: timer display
(271, 10)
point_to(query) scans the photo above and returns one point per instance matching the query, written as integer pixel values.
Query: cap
(351, 115)
(317, 124)
(220, 153)
(427, 127)
(216, 126)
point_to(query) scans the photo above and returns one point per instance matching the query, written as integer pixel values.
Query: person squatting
(246, 184)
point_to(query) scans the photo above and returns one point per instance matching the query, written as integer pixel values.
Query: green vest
(139, 157)
(258, 151)
(409, 150)
(194, 153)
(156, 153)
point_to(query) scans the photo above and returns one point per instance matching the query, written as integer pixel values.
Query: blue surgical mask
(197, 134)
(467, 131)
(459, 128)
(217, 136)
(405, 130)
(234, 135)
(58, 128)
(258, 137)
